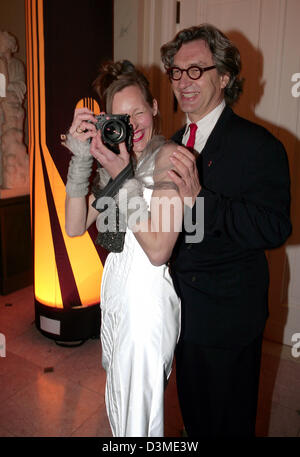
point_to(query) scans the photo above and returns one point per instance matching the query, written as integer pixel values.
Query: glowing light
(48, 191)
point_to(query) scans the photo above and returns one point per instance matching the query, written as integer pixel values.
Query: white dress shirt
(205, 126)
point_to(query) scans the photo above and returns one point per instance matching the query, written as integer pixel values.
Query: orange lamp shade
(67, 271)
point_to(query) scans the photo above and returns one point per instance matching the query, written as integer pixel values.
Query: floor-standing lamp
(67, 271)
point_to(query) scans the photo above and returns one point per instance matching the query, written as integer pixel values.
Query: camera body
(115, 129)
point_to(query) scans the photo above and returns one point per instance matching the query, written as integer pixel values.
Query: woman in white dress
(140, 321)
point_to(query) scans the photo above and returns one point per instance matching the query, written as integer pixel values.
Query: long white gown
(139, 330)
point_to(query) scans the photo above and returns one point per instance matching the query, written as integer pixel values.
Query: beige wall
(126, 17)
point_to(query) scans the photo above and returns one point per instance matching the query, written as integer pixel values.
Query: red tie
(192, 137)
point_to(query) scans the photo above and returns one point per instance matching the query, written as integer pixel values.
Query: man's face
(198, 97)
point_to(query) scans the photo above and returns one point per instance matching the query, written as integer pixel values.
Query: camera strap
(113, 186)
(112, 241)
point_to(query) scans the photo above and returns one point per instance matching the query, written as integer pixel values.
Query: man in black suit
(241, 171)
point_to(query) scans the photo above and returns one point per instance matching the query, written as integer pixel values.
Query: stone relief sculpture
(14, 160)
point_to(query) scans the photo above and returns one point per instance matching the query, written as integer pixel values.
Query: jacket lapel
(177, 137)
(213, 150)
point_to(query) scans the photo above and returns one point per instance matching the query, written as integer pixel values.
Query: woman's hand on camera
(111, 162)
(83, 125)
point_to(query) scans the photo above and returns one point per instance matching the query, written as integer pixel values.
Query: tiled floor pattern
(50, 390)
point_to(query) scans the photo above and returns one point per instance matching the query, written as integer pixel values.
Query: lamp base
(70, 344)
(73, 325)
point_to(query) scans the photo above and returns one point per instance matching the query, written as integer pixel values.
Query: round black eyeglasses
(193, 72)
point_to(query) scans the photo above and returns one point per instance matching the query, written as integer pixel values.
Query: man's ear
(224, 80)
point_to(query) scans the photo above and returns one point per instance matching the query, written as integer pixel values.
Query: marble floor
(53, 391)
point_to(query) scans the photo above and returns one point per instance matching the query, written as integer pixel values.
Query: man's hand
(185, 174)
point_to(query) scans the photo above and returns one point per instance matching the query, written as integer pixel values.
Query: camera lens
(114, 131)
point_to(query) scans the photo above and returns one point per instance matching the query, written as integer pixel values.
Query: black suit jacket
(223, 280)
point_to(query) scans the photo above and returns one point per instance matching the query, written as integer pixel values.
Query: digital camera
(115, 129)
